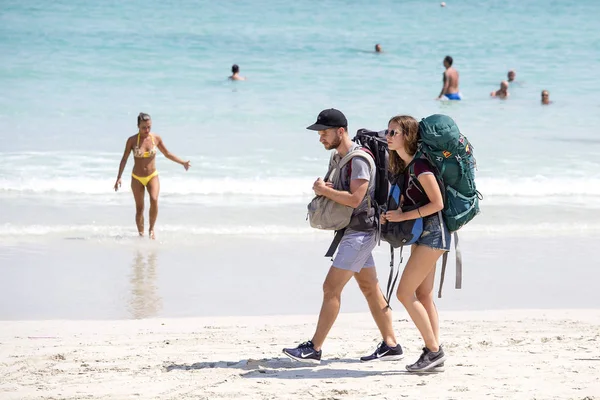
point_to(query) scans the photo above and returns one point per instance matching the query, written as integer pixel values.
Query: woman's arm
(436, 201)
(169, 155)
(123, 163)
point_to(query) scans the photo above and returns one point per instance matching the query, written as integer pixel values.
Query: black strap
(393, 278)
(336, 242)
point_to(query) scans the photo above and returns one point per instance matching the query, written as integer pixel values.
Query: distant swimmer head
(511, 75)
(442, 4)
(545, 97)
(144, 122)
(378, 48)
(235, 69)
(402, 137)
(332, 125)
(448, 61)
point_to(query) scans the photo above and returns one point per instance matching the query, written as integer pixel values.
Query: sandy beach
(524, 354)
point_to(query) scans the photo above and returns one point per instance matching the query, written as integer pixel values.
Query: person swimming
(501, 93)
(235, 73)
(144, 146)
(511, 75)
(450, 89)
(545, 97)
(378, 48)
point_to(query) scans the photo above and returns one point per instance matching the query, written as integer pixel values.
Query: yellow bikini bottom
(144, 179)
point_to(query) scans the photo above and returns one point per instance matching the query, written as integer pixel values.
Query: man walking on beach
(450, 88)
(354, 258)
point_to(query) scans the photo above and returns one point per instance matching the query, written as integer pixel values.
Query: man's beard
(333, 145)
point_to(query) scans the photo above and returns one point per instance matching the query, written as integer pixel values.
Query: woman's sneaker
(438, 368)
(428, 361)
(385, 353)
(305, 353)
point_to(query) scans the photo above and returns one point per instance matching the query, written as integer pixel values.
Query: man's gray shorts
(354, 251)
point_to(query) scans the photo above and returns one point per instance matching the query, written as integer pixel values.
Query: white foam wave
(11, 230)
(523, 190)
(539, 186)
(118, 231)
(278, 187)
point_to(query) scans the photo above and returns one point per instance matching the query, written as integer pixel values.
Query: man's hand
(320, 185)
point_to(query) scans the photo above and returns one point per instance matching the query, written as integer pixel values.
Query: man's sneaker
(428, 361)
(305, 353)
(385, 353)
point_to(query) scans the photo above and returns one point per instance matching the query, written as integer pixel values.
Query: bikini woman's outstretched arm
(169, 155)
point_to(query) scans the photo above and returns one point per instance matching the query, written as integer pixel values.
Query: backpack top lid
(441, 132)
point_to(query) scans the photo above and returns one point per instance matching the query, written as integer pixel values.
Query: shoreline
(512, 354)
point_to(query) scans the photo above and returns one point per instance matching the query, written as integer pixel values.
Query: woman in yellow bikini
(144, 146)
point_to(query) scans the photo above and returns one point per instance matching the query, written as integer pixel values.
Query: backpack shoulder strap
(413, 176)
(360, 153)
(332, 165)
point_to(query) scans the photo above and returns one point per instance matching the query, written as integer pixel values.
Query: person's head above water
(235, 69)
(545, 97)
(144, 123)
(448, 61)
(511, 75)
(378, 48)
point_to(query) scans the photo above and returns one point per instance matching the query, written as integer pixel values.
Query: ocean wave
(87, 231)
(289, 187)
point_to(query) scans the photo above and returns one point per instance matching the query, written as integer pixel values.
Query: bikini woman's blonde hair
(410, 129)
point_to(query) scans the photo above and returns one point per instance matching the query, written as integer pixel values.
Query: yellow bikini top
(137, 152)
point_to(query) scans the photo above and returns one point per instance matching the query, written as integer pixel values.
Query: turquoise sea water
(75, 74)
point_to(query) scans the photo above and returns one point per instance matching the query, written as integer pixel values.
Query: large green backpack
(450, 152)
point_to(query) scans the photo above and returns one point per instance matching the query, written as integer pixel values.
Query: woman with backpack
(421, 195)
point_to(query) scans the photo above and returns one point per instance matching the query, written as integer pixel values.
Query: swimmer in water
(511, 75)
(450, 89)
(501, 93)
(545, 97)
(235, 73)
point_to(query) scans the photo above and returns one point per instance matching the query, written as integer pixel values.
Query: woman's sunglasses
(391, 132)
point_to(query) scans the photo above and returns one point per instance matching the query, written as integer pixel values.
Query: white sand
(547, 354)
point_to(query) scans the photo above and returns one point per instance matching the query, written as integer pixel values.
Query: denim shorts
(435, 233)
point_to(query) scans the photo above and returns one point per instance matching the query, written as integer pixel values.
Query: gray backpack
(324, 213)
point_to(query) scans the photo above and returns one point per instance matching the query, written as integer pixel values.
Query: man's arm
(359, 184)
(358, 190)
(445, 85)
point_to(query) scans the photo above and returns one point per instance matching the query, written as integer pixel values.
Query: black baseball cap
(331, 118)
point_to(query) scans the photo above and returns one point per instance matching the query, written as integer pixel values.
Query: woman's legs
(153, 190)
(418, 268)
(424, 294)
(138, 195)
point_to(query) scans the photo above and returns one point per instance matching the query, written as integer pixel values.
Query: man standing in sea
(450, 88)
